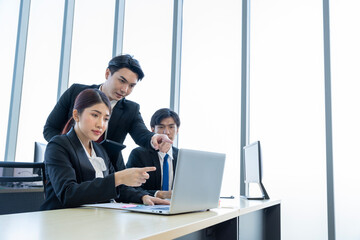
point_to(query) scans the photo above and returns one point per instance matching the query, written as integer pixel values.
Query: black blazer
(140, 157)
(125, 118)
(71, 178)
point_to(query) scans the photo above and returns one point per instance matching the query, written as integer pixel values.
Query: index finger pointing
(166, 139)
(149, 169)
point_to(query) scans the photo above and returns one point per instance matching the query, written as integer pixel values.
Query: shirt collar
(93, 154)
(112, 102)
(170, 153)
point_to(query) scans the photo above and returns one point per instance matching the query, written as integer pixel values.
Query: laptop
(197, 184)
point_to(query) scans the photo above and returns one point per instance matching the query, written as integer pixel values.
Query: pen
(229, 197)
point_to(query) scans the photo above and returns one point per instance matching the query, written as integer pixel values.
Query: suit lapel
(156, 163)
(116, 115)
(175, 155)
(100, 153)
(86, 170)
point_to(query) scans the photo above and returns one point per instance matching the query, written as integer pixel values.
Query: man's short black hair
(126, 61)
(163, 113)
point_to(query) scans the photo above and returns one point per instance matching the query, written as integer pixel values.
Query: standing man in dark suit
(164, 121)
(122, 75)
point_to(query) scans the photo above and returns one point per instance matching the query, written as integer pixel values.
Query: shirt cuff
(155, 193)
(151, 141)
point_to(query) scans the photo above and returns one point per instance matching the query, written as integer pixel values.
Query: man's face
(120, 84)
(167, 126)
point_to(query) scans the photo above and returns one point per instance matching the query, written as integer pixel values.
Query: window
(148, 37)
(40, 75)
(287, 110)
(345, 62)
(210, 83)
(92, 41)
(9, 16)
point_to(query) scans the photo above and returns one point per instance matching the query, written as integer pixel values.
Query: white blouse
(97, 162)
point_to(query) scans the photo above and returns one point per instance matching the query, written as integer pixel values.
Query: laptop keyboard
(161, 208)
(157, 207)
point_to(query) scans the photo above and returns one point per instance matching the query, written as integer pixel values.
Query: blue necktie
(165, 186)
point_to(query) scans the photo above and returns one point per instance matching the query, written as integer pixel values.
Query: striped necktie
(165, 186)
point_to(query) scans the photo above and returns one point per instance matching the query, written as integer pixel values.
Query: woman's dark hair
(163, 113)
(87, 98)
(126, 61)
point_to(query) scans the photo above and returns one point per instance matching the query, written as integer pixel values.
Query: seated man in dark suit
(164, 121)
(122, 75)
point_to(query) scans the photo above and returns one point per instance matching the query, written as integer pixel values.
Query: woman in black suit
(78, 170)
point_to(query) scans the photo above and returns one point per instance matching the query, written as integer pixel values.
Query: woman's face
(92, 122)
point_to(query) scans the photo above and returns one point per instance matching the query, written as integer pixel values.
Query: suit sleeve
(135, 161)
(128, 194)
(68, 189)
(139, 132)
(59, 115)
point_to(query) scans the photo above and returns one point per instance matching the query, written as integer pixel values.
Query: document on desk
(122, 206)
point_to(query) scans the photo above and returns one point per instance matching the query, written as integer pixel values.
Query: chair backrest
(39, 154)
(20, 189)
(39, 151)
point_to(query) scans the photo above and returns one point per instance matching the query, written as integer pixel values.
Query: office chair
(39, 151)
(20, 189)
(39, 154)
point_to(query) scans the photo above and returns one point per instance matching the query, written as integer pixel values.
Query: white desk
(99, 223)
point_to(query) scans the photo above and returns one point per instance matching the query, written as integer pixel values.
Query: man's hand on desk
(148, 200)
